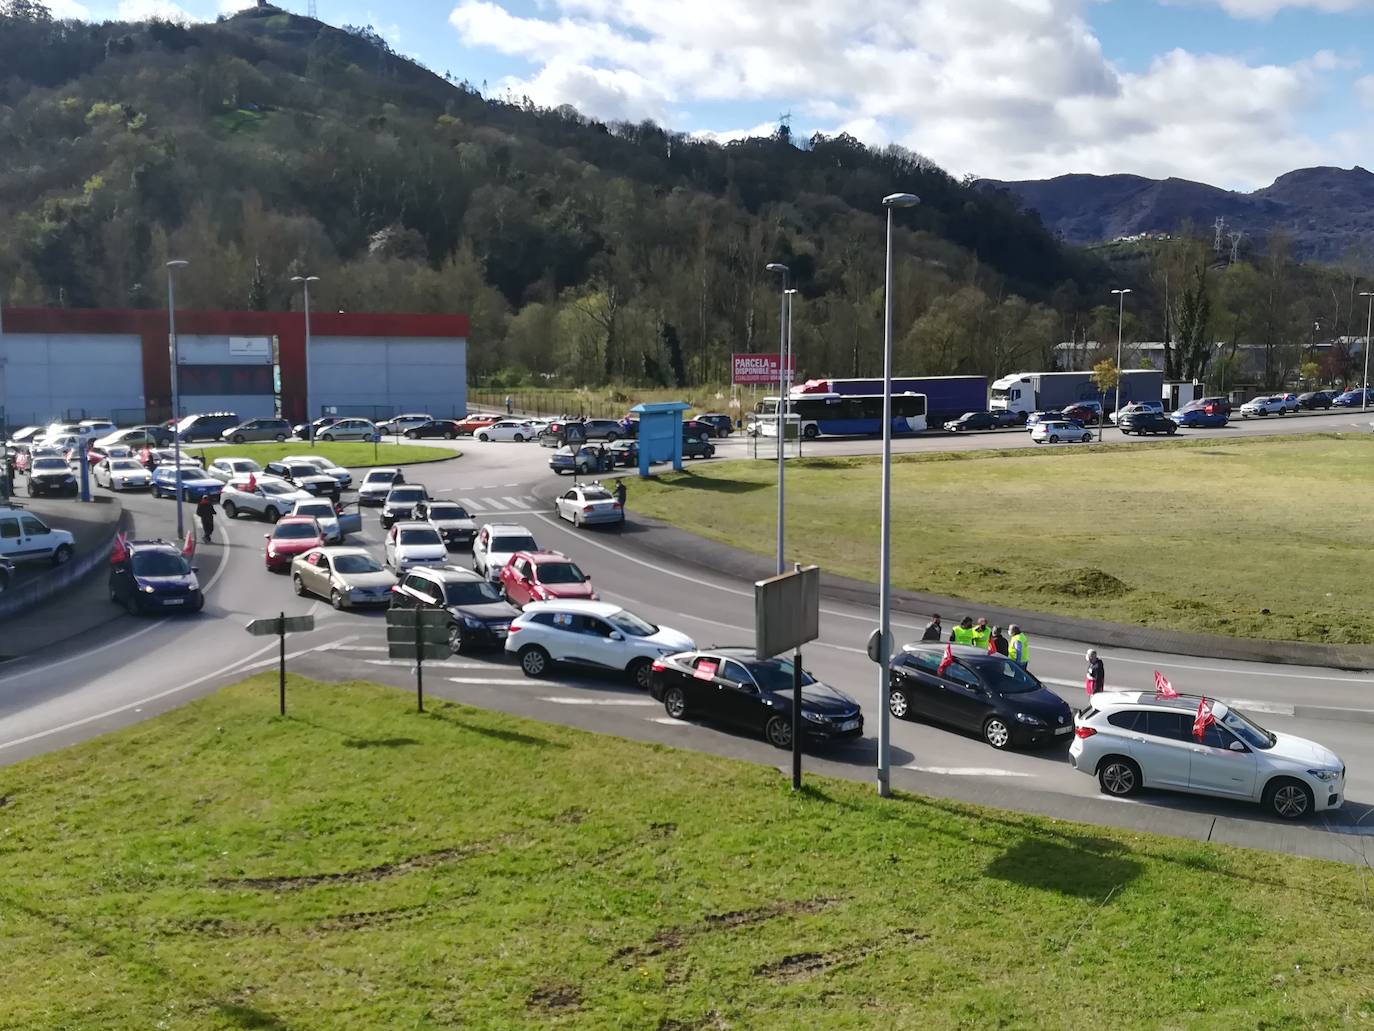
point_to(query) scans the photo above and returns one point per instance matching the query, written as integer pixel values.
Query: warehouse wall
(223, 373)
(404, 374)
(44, 376)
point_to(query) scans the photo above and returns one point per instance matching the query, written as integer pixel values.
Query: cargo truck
(1027, 392)
(947, 397)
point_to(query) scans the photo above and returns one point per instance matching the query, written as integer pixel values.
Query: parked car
(1213, 405)
(25, 435)
(122, 474)
(1264, 406)
(721, 424)
(292, 536)
(1145, 421)
(494, 545)
(137, 437)
(1055, 430)
(507, 429)
(474, 422)
(51, 476)
(696, 447)
(1315, 399)
(324, 467)
(543, 576)
(350, 429)
(1130, 409)
(1200, 418)
(478, 615)
(377, 485)
(1290, 402)
(446, 429)
(207, 426)
(307, 430)
(414, 544)
(226, 469)
(589, 504)
(1084, 413)
(590, 634)
(155, 577)
(398, 424)
(263, 496)
(305, 476)
(400, 503)
(970, 421)
(1036, 418)
(258, 429)
(1131, 740)
(990, 695)
(348, 577)
(623, 452)
(732, 687)
(454, 523)
(1351, 399)
(24, 537)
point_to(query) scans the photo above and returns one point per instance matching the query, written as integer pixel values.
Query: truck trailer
(1027, 392)
(947, 397)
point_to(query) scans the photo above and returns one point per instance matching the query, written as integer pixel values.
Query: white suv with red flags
(1131, 740)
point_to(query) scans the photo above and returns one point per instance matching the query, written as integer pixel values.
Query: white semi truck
(1027, 392)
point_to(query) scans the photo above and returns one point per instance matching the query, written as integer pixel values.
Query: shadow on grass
(1088, 871)
(248, 1017)
(713, 485)
(445, 714)
(352, 741)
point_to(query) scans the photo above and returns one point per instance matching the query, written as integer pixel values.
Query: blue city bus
(841, 415)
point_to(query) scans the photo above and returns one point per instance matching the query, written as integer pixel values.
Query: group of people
(1013, 644)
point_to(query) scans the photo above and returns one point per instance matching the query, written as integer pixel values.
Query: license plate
(500, 633)
(849, 725)
(1063, 730)
(174, 601)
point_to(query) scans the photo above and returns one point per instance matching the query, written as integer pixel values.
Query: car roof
(1184, 703)
(151, 545)
(960, 651)
(412, 524)
(542, 556)
(450, 574)
(589, 608)
(506, 529)
(340, 550)
(295, 519)
(384, 469)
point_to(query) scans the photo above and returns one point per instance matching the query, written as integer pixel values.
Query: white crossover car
(591, 634)
(494, 545)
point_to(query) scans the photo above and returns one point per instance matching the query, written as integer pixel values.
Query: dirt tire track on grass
(670, 938)
(800, 965)
(295, 882)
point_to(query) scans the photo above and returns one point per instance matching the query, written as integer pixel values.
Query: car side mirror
(616, 635)
(195, 569)
(267, 536)
(1236, 746)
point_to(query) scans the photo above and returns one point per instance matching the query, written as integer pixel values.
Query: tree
(257, 289)
(1192, 323)
(1106, 375)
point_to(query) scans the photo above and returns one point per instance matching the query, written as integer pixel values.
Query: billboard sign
(758, 368)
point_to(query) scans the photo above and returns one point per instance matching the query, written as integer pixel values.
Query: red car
(292, 536)
(473, 423)
(542, 576)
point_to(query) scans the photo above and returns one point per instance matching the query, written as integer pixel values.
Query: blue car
(1351, 399)
(196, 483)
(1199, 418)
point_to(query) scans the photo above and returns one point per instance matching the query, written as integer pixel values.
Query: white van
(24, 537)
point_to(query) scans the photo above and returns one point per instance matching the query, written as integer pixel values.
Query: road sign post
(787, 613)
(281, 625)
(417, 634)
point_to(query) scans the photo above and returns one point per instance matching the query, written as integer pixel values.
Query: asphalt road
(121, 669)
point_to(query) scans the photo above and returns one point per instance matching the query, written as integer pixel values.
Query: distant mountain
(1327, 211)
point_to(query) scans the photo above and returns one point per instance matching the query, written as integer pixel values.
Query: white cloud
(146, 10)
(1364, 90)
(1269, 8)
(68, 9)
(1004, 88)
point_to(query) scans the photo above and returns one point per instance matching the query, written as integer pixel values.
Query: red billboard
(759, 368)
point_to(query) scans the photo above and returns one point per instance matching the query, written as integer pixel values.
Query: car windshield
(276, 488)
(448, 512)
(294, 531)
(49, 463)
(419, 535)
(302, 470)
(473, 592)
(510, 545)
(407, 494)
(1248, 730)
(631, 624)
(357, 564)
(318, 509)
(379, 477)
(776, 674)
(126, 464)
(1003, 675)
(560, 573)
(159, 563)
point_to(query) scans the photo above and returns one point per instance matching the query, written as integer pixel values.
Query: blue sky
(1233, 92)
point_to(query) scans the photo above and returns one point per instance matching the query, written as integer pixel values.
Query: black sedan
(721, 423)
(51, 476)
(988, 694)
(1314, 399)
(976, 421)
(697, 447)
(1146, 422)
(446, 429)
(400, 503)
(731, 686)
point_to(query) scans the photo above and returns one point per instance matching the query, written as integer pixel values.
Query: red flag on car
(120, 551)
(188, 547)
(1164, 689)
(946, 662)
(1204, 719)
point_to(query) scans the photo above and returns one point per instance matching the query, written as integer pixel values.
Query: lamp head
(305, 279)
(776, 266)
(178, 264)
(901, 200)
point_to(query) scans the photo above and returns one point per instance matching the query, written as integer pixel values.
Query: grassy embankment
(614, 401)
(356, 865)
(350, 454)
(1199, 535)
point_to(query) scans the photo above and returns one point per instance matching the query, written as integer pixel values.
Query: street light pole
(305, 281)
(894, 200)
(1368, 322)
(1120, 318)
(172, 267)
(783, 318)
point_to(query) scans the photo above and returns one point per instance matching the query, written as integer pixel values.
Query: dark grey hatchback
(989, 694)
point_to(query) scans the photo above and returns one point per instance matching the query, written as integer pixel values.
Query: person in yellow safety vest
(1018, 648)
(963, 633)
(982, 634)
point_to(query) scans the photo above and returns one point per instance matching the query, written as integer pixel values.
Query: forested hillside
(268, 145)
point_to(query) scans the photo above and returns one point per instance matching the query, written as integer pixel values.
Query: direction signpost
(418, 634)
(787, 614)
(281, 625)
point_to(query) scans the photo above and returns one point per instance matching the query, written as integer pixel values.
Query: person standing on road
(999, 641)
(205, 512)
(1018, 648)
(963, 633)
(982, 634)
(620, 493)
(1097, 673)
(510, 406)
(933, 631)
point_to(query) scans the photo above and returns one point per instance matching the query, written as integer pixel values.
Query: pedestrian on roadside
(1018, 648)
(620, 493)
(205, 512)
(933, 631)
(1097, 674)
(982, 634)
(963, 633)
(999, 640)
(510, 405)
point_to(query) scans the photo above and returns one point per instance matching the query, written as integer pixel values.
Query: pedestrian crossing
(496, 505)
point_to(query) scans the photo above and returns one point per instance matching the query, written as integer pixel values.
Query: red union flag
(1204, 719)
(1164, 689)
(758, 368)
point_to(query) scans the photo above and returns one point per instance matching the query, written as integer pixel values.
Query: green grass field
(1199, 535)
(351, 455)
(358, 865)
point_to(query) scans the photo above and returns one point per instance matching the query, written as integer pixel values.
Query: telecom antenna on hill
(1220, 226)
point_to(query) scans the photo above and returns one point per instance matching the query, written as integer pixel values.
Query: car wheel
(997, 733)
(448, 434)
(1171, 432)
(897, 703)
(1125, 433)
(328, 437)
(778, 731)
(298, 585)
(412, 435)
(238, 438)
(640, 671)
(484, 436)
(231, 510)
(455, 638)
(519, 438)
(1087, 438)
(612, 437)
(280, 438)
(534, 661)
(271, 514)
(1288, 799)
(1054, 440)
(336, 599)
(62, 554)
(1118, 776)
(675, 703)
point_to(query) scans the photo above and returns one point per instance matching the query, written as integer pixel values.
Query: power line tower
(1236, 237)
(1219, 225)
(313, 10)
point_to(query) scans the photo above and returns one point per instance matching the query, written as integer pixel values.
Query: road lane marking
(519, 504)
(668, 721)
(467, 503)
(486, 682)
(598, 701)
(966, 771)
(437, 663)
(493, 503)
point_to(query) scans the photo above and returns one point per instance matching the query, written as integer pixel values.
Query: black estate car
(988, 694)
(1146, 422)
(731, 686)
(478, 614)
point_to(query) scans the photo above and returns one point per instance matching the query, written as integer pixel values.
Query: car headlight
(472, 624)
(1034, 721)
(145, 588)
(814, 717)
(1325, 776)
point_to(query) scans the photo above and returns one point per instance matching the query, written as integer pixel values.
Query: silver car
(589, 504)
(377, 485)
(325, 466)
(349, 429)
(348, 577)
(454, 523)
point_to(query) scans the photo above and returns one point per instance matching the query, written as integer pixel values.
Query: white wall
(45, 375)
(401, 373)
(217, 349)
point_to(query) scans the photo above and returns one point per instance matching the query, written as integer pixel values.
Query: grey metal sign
(280, 625)
(787, 611)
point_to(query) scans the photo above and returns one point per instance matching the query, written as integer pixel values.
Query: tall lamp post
(884, 649)
(1120, 319)
(1368, 321)
(172, 267)
(305, 281)
(783, 318)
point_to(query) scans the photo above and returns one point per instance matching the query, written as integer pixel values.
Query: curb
(724, 560)
(38, 591)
